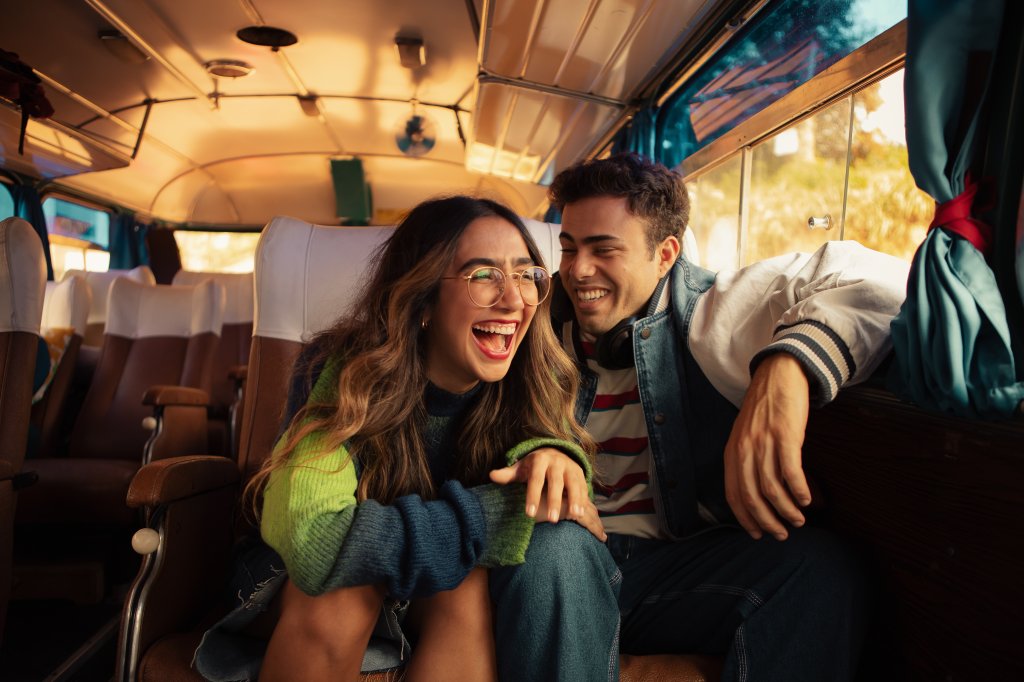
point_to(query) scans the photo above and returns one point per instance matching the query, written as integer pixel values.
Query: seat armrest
(238, 372)
(160, 396)
(178, 478)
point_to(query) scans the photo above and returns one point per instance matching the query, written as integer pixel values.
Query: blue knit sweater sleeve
(413, 546)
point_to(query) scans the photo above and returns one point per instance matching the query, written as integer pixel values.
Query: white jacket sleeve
(830, 309)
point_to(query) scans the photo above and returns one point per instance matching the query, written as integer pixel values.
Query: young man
(697, 388)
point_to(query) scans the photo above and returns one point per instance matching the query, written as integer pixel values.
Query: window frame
(869, 64)
(873, 61)
(84, 203)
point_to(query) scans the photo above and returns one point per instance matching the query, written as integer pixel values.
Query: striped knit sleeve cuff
(825, 357)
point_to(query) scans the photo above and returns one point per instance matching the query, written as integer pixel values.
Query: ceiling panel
(528, 135)
(603, 47)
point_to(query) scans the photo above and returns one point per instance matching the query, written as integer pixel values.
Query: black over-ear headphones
(615, 347)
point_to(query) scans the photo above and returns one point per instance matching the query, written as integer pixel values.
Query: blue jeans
(792, 610)
(556, 617)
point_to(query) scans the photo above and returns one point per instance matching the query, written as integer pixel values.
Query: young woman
(378, 492)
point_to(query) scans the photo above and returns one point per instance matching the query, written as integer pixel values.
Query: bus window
(216, 251)
(79, 236)
(884, 208)
(825, 161)
(6, 202)
(790, 44)
(715, 214)
(796, 180)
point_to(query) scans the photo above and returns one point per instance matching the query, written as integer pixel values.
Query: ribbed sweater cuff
(571, 449)
(508, 527)
(825, 357)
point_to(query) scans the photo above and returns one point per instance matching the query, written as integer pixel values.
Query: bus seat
(99, 284)
(22, 282)
(156, 357)
(306, 276)
(65, 314)
(232, 355)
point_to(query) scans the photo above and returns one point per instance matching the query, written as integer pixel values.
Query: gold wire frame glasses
(487, 284)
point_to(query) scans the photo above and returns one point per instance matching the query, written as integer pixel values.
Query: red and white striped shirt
(623, 495)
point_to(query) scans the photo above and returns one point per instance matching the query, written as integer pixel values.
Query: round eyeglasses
(487, 284)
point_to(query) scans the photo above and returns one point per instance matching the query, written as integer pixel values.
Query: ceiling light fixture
(228, 68)
(411, 52)
(267, 36)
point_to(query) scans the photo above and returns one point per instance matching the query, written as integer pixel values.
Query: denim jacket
(694, 356)
(688, 421)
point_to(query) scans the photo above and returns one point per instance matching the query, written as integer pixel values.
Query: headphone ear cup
(615, 347)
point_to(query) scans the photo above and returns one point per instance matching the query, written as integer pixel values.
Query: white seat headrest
(546, 236)
(100, 282)
(308, 275)
(143, 310)
(67, 304)
(333, 262)
(237, 286)
(22, 277)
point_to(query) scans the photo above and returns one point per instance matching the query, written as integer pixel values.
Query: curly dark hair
(653, 192)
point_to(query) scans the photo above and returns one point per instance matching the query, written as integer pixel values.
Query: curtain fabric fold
(126, 239)
(951, 339)
(28, 207)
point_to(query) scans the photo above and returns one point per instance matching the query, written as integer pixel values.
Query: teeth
(591, 295)
(495, 328)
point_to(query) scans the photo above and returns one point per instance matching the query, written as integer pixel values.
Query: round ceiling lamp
(228, 68)
(267, 36)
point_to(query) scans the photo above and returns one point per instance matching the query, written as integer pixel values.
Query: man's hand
(566, 486)
(764, 477)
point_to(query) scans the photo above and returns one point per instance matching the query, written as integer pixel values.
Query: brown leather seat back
(306, 277)
(154, 335)
(22, 281)
(65, 313)
(236, 333)
(232, 352)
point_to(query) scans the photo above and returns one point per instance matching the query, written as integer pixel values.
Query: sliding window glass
(797, 181)
(884, 208)
(715, 215)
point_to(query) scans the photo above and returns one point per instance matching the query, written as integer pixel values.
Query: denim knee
(564, 560)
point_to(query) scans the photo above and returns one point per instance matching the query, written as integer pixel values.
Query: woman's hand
(566, 485)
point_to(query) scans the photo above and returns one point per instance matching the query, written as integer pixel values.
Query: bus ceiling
(200, 112)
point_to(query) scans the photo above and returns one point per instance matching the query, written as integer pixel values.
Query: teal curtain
(28, 206)
(640, 135)
(127, 242)
(951, 338)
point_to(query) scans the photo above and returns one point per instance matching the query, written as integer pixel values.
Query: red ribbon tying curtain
(955, 216)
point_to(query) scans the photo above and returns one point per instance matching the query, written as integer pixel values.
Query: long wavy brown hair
(380, 414)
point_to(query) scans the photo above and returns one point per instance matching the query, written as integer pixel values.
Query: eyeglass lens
(487, 285)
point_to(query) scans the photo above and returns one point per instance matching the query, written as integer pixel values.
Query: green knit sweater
(414, 546)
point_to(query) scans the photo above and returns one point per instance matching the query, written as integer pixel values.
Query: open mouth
(494, 338)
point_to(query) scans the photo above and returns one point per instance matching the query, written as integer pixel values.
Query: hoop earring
(423, 324)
